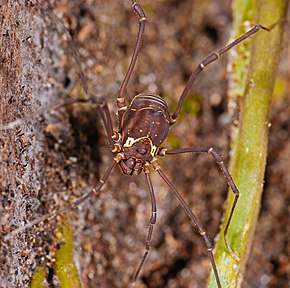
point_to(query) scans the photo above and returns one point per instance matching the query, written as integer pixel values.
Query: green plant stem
(38, 278)
(249, 142)
(65, 267)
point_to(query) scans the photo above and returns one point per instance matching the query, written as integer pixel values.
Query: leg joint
(117, 148)
(140, 12)
(162, 152)
(119, 157)
(121, 99)
(155, 164)
(172, 120)
(218, 158)
(217, 54)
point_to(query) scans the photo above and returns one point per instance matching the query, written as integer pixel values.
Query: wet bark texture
(51, 159)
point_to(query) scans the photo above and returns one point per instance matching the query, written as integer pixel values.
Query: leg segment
(210, 59)
(141, 14)
(100, 104)
(103, 108)
(193, 218)
(219, 160)
(76, 203)
(151, 223)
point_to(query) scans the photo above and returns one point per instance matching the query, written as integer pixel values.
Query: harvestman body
(143, 127)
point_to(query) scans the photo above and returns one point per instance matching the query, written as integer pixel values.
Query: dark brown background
(62, 154)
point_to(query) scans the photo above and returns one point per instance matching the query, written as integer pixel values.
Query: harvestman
(136, 143)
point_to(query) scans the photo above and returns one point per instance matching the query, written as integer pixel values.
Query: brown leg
(193, 218)
(76, 203)
(210, 59)
(151, 223)
(100, 105)
(219, 160)
(141, 14)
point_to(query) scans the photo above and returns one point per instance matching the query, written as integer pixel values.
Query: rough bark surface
(27, 83)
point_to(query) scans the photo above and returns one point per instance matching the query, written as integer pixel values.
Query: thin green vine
(249, 141)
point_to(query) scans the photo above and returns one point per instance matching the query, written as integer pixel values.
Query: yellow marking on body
(153, 150)
(131, 141)
(146, 108)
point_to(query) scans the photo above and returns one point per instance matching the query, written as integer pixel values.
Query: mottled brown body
(144, 127)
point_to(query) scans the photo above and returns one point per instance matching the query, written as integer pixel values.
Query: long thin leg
(101, 106)
(82, 199)
(210, 59)
(193, 218)
(219, 160)
(17, 122)
(140, 12)
(71, 44)
(151, 223)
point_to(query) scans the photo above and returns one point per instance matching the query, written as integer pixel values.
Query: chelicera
(143, 126)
